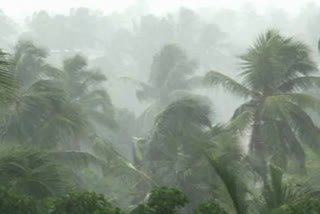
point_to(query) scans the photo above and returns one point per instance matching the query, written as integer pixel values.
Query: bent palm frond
(214, 78)
(299, 83)
(227, 171)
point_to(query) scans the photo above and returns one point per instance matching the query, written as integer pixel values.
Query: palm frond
(227, 172)
(214, 78)
(187, 110)
(304, 101)
(31, 172)
(145, 91)
(246, 107)
(299, 83)
(280, 107)
(274, 60)
(303, 124)
(277, 192)
(282, 144)
(241, 122)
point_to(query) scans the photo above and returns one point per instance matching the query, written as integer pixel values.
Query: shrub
(15, 204)
(162, 200)
(82, 203)
(303, 206)
(208, 207)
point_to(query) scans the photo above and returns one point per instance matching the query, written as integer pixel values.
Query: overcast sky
(20, 8)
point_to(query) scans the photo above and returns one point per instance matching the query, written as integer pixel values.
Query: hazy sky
(21, 8)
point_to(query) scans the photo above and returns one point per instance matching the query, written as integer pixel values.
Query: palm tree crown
(274, 72)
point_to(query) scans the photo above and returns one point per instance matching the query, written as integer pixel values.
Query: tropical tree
(278, 191)
(28, 62)
(82, 203)
(40, 111)
(303, 206)
(178, 150)
(230, 189)
(171, 70)
(55, 106)
(209, 207)
(171, 77)
(41, 115)
(162, 200)
(16, 204)
(31, 172)
(83, 87)
(275, 71)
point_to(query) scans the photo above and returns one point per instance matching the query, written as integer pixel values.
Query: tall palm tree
(171, 77)
(84, 87)
(274, 72)
(41, 114)
(29, 62)
(182, 137)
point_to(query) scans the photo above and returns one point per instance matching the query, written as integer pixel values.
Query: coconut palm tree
(176, 152)
(40, 111)
(275, 71)
(84, 87)
(28, 62)
(171, 77)
(54, 106)
(41, 114)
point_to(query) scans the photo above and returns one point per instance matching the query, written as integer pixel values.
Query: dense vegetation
(66, 148)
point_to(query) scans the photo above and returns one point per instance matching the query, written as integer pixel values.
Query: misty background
(121, 37)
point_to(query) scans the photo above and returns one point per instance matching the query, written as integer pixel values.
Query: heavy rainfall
(159, 107)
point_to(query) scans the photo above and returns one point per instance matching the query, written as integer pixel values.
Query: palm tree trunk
(256, 145)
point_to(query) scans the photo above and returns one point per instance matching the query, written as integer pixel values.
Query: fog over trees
(189, 110)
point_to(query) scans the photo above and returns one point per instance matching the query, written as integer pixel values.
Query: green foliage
(14, 204)
(304, 206)
(209, 207)
(82, 203)
(142, 209)
(31, 172)
(29, 62)
(228, 167)
(278, 192)
(171, 77)
(162, 200)
(274, 71)
(41, 114)
(83, 87)
(173, 154)
(166, 200)
(171, 70)
(60, 109)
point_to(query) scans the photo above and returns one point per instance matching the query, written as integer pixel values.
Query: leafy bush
(142, 209)
(304, 206)
(208, 207)
(82, 203)
(162, 200)
(14, 204)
